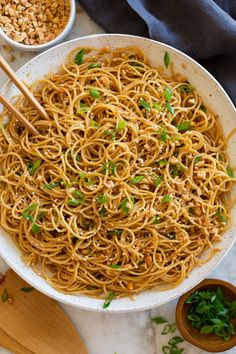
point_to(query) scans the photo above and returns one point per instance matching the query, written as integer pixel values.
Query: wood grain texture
(36, 321)
(7, 342)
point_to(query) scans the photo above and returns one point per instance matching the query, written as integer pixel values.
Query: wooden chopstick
(18, 115)
(22, 87)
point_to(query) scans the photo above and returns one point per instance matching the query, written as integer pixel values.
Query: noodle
(125, 188)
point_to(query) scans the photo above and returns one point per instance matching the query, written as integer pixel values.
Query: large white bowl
(213, 95)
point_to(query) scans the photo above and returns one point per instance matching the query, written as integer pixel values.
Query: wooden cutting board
(32, 323)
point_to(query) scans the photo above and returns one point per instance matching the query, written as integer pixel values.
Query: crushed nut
(34, 22)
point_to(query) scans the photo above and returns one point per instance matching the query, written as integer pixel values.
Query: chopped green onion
(157, 106)
(167, 94)
(137, 179)
(33, 166)
(35, 228)
(197, 159)
(158, 180)
(184, 126)
(110, 166)
(78, 157)
(31, 207)
(5, 125)
(120, 125)
(84, 107)
(124, 202)
(94, 93)
(73, 202)
(220, 215)
(79, 196)
(102, 199)
(145, 105)
(27, 289)
(203, 108)
(163, 162)
(115, 232)
(170, 108)
(166, 59)
(175, 340)
(230, 172)
(166, 199)
(191, 210)
(79, 57)
(174, 171)
(5, 295)
(110, 132)
(138, 64)
(52, 185)
(157, 220)
(94, 65)
(163, 136)
(187, 88)
(159, 320)
(109, 299)
(115, 266)
(95, 124)
(102, 211)
(27, 217)
(166, 329)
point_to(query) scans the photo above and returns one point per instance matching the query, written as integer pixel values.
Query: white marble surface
(132, 333)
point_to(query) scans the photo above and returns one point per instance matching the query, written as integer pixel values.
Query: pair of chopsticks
(26, 92)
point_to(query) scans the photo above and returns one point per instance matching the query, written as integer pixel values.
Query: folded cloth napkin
(203, 29)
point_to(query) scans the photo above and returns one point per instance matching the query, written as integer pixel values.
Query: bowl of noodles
(126, 198)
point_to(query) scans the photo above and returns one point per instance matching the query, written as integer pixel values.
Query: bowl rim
(59, 296)
(54, 41)
(181, 324)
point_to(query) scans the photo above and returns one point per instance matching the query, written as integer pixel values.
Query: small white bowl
(44, 46)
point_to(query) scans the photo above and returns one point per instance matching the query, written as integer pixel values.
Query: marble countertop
(132, 333)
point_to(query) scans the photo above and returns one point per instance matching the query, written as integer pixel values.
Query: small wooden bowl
(209, 342)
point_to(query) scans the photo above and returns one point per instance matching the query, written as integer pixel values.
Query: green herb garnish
(35, 228)
(163, 162)
(220, 215)
(157, 106)
(159, 320)
(94, 65)
(84, 107)
(123, 204)
(79, 57)
(109, 299)
(170, 108)
(163, 135)
(95, 124)
(145, 105)
(166, 199)
(137, 179)
(166, 60)
(102, 199)
(230, 172)
(184, 126)
(157, 219)
(210, 312)
(79, 196)
(158, 180)
(73, 202)
(174, 171)
(33, 166)
(167, 94)
(120, 125)
(115, 266)
(187, 88)
(197, 159)
(110, 167)
(27, 289)
(203, 108)
(169, 328)
(102, 211)
(110, 132)
(94, 93)
(52, 185)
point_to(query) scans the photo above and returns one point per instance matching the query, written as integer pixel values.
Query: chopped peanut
(148, 261)
(130, 285)
(44, 18)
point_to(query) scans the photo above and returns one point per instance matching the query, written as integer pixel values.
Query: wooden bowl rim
(180, 323)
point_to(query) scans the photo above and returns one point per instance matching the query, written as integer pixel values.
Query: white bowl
(41, 47)
(212, 94)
